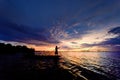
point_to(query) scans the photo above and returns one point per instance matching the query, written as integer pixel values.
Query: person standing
(56, 50)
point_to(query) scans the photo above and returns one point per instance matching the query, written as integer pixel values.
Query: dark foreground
(44, 68)
(33, 74)
(40, 68)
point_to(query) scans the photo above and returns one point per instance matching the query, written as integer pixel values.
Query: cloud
(20, 33)
(112, 43)
(74, 42)
(116, 40)
(115, 30)
(47, 22)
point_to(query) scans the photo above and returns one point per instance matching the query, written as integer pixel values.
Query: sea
(104, 63)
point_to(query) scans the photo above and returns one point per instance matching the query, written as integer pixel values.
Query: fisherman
(56, 50)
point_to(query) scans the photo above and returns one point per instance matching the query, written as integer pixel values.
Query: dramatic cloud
(67, 23)
(19, 33)
(112, 43)
(116, 40)
(115, 30)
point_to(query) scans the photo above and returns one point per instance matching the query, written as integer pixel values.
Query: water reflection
(82, 58)
(105, 63)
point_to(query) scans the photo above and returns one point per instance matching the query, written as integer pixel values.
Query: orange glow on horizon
(52, 48)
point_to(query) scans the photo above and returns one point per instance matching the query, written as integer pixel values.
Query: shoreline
(83, 75)
(43, 68)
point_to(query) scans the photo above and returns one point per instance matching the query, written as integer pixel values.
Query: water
(104, 63)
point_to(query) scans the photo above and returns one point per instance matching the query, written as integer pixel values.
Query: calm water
(105, 63)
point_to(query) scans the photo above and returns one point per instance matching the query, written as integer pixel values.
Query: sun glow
(83, 43)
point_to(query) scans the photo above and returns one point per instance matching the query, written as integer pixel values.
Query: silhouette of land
(10, 49)
(13, 66)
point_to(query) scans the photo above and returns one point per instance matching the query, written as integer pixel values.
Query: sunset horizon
(72, 25)
(59, 39)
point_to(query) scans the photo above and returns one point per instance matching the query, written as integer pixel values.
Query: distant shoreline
(78, 51)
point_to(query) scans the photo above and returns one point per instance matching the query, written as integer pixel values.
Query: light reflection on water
(105, 63)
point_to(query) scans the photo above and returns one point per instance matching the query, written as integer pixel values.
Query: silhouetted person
(56, 50)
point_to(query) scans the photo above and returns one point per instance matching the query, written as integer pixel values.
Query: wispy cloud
(73, 24)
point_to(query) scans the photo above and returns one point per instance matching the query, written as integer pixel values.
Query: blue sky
(70, 24)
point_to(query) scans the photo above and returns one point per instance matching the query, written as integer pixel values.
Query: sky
(73, 25)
